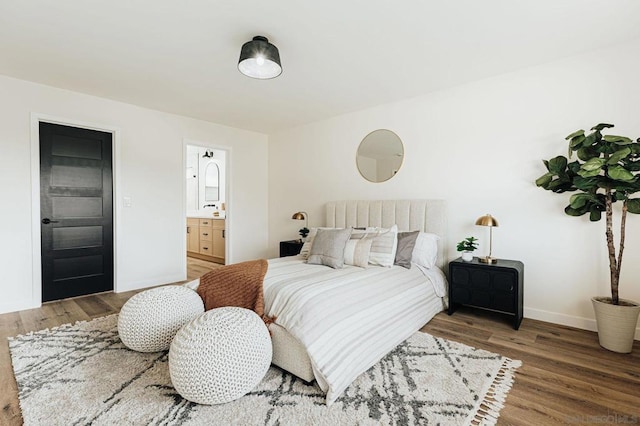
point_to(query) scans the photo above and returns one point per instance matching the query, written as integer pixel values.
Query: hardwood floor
(566, 377)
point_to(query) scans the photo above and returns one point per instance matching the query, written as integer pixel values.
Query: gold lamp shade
(301, 216)
(490, 221)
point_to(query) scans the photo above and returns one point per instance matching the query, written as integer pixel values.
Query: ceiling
(337, 56)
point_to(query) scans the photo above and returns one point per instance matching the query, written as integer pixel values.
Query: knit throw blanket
(239, 284)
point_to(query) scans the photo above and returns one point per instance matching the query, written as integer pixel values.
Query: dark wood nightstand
(290, 248)
(498, 286)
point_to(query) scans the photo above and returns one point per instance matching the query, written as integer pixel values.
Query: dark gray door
(76, 211)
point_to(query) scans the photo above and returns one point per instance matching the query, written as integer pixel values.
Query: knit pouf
(149, 320)
(220, 356)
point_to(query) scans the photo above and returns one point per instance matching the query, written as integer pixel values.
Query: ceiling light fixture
(260, 59)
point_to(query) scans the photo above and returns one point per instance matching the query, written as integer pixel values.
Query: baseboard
(562, 319)
(6, 308)
(150, 282)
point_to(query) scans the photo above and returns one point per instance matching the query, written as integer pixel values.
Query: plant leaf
(588, 174)
(633, 205)
(619, 155)
(544, 180)
(574, 212)
(592, 164)
(620, 173)
(574, 134)
(576, 141)
(577, 201)
(587, 153)
(602, 126)
(595, 215)
(558, 164)
(618, 140)
(589, 140)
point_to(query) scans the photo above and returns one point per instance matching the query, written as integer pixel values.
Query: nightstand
(497, 287)
(290, 248)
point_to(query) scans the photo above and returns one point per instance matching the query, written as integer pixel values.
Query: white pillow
(384, 246)
(425, 252)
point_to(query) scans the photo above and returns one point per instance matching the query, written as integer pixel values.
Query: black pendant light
(259, 59)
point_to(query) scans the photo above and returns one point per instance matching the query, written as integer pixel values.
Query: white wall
(479, 147)
(150, 170)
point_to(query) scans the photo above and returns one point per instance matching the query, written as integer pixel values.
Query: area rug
(82, 374)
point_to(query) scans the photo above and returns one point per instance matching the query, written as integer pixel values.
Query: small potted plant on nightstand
(303, 233)
(467, 247)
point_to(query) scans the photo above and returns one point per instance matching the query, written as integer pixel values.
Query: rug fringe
(488, 409)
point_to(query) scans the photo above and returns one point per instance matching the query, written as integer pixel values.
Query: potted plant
(303, 232)
(467, 247)
(606, 171)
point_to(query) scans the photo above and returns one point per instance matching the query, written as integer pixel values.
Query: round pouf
(220, 356)
(149, 320)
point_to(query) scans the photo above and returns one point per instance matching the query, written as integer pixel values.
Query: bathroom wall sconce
(207, 154)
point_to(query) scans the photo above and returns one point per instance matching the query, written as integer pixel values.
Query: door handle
(223, 233)
(47, 221)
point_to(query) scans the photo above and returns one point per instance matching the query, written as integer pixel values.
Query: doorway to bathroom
(206, 181)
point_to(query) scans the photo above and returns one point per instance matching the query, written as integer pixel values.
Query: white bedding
(349, 318)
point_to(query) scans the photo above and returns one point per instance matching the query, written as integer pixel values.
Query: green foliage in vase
(468, 244)
(606, 171)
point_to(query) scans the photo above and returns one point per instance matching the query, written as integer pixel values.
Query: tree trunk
(623, 224)
(613, 265)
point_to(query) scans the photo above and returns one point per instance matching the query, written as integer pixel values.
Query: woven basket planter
(616, 323)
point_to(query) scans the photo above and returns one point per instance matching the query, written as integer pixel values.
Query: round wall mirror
(380, 155)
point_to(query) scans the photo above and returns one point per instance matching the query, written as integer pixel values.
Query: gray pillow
(406, 243)
(328, 247)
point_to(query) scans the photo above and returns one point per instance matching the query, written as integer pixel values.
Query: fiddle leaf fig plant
(607, 170)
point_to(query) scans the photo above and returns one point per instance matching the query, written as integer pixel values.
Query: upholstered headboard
(409, 215)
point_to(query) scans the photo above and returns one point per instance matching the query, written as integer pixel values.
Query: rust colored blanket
(239, 284)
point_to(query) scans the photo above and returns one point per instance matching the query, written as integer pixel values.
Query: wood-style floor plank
(566, 377)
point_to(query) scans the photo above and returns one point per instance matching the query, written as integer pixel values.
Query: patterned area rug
(83, 374)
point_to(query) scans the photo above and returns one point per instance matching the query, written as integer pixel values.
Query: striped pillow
(357, 251)
(384, 246)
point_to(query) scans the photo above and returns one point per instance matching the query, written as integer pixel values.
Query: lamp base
(488, 259)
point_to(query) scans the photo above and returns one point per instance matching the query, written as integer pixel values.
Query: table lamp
(490, 221)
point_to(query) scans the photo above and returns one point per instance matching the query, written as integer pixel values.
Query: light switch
(126, 201)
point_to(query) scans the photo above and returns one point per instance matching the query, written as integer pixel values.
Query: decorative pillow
(328, 247)
(406, 243)
(357, 251)
(425, 252)
(383, 249)
(306, 247)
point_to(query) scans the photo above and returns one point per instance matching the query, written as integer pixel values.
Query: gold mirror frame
(380, 156)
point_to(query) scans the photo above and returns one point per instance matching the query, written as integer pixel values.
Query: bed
(333, 324)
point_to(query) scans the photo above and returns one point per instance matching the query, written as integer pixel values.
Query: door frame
(36, 118)
(228, 256)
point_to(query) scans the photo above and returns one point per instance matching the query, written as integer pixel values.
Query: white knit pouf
(220, 356)
(149, 320)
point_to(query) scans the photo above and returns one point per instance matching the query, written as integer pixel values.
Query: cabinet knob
(205, 234)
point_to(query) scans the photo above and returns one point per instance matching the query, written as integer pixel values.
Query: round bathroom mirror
(380, 155)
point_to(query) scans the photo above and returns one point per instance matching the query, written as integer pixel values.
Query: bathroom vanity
(206, 239)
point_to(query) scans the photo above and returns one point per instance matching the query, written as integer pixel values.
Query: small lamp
(490, 221)
(260, 59)
(302, 216)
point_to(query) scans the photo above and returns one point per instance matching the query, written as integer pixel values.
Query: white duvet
(349, 318)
